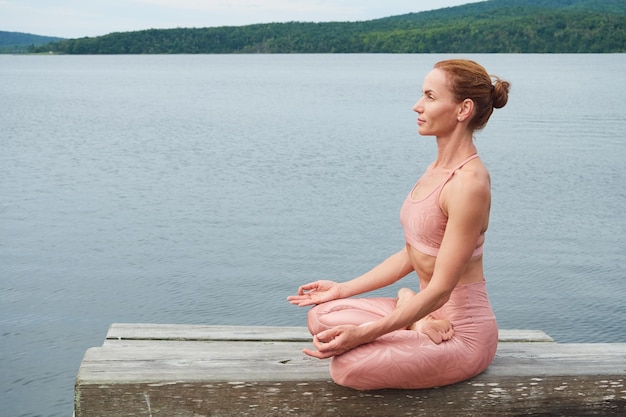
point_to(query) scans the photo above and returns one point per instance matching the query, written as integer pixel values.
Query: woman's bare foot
(437, 330)
(404, 294)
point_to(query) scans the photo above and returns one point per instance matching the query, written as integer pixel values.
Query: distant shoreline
(496, 26)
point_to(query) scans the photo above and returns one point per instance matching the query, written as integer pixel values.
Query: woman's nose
(417, 108)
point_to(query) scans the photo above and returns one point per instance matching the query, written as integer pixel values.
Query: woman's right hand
(317, 292)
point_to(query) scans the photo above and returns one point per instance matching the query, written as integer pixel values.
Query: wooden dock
(197, 371)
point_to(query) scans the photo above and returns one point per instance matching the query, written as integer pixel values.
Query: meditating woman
(446, 331)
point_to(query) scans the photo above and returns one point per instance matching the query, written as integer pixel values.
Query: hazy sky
(79, 18)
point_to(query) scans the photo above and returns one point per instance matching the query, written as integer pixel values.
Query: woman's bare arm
(392, 269)
(387, 272)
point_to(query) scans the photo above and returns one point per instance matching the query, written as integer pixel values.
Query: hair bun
(500, 93)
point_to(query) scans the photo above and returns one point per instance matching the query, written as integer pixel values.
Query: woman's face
(437, 110)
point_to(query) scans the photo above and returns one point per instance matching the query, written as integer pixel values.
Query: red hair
(470, 80)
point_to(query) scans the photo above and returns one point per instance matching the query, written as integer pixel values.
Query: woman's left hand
(335, 341)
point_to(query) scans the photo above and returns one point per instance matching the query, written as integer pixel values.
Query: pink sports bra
(425, 223)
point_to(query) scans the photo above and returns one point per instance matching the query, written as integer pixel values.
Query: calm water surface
(205, 189)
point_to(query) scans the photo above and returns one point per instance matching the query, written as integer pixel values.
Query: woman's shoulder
(472, 176)
(469, 185)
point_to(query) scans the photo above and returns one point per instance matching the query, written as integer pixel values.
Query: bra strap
(465, 161)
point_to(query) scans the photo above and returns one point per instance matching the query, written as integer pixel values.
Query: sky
(80, 18)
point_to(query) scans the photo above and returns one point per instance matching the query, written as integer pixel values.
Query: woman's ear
(466, 109)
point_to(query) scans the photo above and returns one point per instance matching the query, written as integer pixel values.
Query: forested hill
(17, 42)
(508, 26)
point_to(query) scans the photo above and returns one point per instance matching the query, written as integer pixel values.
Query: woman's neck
(451, 151)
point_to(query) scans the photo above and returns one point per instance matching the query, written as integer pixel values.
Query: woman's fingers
(300, 300)
(326, 336)
(327, 344)
(312, 286)
(324, 349)
(321, 355)
(326, 341)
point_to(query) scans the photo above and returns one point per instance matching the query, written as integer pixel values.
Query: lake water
(205, 189)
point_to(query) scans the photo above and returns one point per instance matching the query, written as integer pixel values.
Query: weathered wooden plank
(554, 397)
(511, 397)
(150, 361)
(517, 335)
(139, 331)
(195, 371)
(130, 331)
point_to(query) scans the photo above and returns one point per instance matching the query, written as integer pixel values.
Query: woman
(446, 332)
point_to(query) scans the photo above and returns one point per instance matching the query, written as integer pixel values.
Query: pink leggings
(408, 359)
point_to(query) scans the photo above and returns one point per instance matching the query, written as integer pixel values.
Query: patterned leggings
(408, 359)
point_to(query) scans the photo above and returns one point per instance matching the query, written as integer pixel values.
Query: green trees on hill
(17, 42)
(530, 26)
(540, 33)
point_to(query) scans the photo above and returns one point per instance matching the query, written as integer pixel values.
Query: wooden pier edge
(196, 371)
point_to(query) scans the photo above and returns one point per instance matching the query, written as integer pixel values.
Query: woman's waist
(424, 266)
(467, 303)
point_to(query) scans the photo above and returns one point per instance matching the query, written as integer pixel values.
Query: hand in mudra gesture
(317, 292)
(335, 341)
